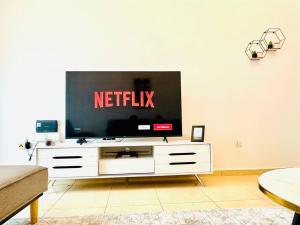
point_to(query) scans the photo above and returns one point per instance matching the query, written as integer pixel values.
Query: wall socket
(238, 144)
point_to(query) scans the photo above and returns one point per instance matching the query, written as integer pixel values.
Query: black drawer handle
(182, 163)
(183, 153)
(67, 157)
(66, 167)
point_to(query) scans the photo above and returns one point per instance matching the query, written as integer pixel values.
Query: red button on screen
(165, 126)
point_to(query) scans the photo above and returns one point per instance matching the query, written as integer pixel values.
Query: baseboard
(237, 172)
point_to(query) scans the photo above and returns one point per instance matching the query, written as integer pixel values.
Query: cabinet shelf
(275, 36)
(257, 47)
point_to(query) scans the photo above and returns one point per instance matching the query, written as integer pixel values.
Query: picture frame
(198, 133)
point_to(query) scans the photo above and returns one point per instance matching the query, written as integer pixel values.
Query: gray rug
(248, 216)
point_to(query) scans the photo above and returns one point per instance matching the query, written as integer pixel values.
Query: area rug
(248, 216)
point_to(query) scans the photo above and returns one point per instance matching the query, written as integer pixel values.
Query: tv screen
(123, 104)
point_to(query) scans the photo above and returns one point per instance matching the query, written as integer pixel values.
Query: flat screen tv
(110, 104)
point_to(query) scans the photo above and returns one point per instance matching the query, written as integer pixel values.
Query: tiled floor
(94, 197)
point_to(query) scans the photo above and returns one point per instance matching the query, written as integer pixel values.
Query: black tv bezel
(113, 137)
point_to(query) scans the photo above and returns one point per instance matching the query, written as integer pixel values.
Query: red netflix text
(123, 98)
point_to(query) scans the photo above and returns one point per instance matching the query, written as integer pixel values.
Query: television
(121, 104)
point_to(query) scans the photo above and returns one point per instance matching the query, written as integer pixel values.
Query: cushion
(19, 185)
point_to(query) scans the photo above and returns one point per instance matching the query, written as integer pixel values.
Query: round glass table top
(282, 186)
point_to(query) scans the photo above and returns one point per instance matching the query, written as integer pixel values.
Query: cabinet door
(72, 171)
(69, 162)
(182, 159)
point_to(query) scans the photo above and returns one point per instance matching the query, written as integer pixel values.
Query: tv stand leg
(165, 139)
(199, 180)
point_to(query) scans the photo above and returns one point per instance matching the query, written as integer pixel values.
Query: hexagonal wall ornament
(272, 39)
(255, 50)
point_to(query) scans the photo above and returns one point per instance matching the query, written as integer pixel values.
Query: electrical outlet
(238, 144)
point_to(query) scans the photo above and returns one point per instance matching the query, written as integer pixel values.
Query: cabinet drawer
(200, 157)
(50, 153)
(181, 149)
(182, 167)
(126, 165)
(68, 161)
(74, 171)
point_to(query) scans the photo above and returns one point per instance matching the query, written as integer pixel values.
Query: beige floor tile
(46, 201)
(255, 190)
(228, 193)
(230, 180)
(133, 209)
(86, 186)
(61, 182)
(132, 196)
(179, 178)
(189, 206)
(133, 186)
(106, 181)
(65, 212)
(176, 181)
(133, 193)
(243, 204)
(181, 194)
(274, 204)
(91, 196)
(57, 189)
(84, 198)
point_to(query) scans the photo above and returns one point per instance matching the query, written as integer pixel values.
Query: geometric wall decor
(255, 50)
(273, 39)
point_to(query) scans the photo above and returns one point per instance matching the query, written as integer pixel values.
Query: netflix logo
(104, 99)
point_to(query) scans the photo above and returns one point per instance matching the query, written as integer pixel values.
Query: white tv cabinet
(98, 160)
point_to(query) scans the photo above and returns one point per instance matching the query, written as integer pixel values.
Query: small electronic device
(27, 144)
(29, 147)
(46, 126)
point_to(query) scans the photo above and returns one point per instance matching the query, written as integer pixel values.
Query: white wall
(237, 99)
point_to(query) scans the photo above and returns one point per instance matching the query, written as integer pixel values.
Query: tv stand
(165, 139)
(81, 141)
(133, 158)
